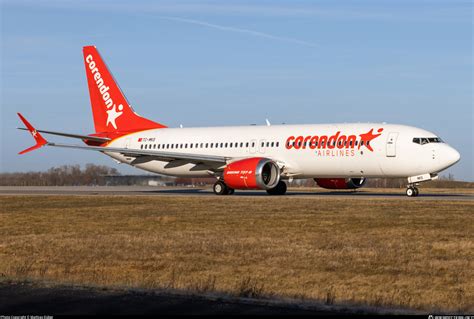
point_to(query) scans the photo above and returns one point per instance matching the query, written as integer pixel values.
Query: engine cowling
(340, 183)
(252, 173)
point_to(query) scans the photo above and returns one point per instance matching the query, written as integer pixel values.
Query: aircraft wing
(141, 156)
(151, 155)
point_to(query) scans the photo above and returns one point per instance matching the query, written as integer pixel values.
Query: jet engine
(252, 173)
(340, 183)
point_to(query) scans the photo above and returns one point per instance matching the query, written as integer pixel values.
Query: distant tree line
(65, 175)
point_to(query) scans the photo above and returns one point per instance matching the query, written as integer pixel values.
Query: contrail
(239, 30)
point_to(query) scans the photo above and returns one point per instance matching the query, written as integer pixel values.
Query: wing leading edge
(148, 154)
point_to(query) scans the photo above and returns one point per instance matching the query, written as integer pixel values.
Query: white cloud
(239, 30)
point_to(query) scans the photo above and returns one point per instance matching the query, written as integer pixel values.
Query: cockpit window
(426, 140)
(434, 140)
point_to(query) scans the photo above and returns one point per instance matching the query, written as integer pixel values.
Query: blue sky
(238, 62)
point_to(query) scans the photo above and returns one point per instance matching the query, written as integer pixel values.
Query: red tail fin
(110, 108)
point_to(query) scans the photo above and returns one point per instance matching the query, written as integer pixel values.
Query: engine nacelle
(252, 173)
(340, 183)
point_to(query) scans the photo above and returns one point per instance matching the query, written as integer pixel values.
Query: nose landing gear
(412, 191)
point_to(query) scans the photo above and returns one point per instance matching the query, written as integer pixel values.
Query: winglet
(40, 141)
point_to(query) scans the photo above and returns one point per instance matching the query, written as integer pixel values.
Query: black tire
(279, 189)
(417, 192)
(220, 188)
(410, 192)
(231, 191)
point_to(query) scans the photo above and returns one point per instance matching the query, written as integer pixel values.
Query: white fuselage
(393, 154)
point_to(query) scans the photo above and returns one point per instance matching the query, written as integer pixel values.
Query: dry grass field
(396, 252)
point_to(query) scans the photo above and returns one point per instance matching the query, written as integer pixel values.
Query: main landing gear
(279, 189)
(220, 188)
(412, 191)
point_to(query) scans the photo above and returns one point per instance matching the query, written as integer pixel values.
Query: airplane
(336, 156)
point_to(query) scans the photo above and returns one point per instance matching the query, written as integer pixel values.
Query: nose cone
(452, 156)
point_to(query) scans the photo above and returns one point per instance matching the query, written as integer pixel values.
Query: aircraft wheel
(220, 188)
(416, 191)
(279, 189)
(231, 191)
(410, 192)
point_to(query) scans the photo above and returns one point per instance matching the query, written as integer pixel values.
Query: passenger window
(278, 143)
(247, 144)
(141, 146)
(253, 144)
(191, 145)
(225, 144)
(241, 144)
(230, 145)
(273, 143)
(207, 145)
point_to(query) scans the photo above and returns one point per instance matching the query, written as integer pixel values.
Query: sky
(214, 63)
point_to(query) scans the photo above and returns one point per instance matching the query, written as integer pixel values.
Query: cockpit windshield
(426, 140)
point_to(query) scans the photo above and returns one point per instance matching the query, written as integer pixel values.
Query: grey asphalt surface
(31, 299)
(427, 194)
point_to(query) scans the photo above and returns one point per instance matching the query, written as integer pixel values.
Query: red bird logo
(369, 136)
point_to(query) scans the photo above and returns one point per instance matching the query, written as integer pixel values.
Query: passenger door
(392, 144)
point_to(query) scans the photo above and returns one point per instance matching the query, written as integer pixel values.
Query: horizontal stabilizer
(82, 137)
(40, 141)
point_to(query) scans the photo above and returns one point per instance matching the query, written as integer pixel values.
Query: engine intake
(340, 183)
(252, 173)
